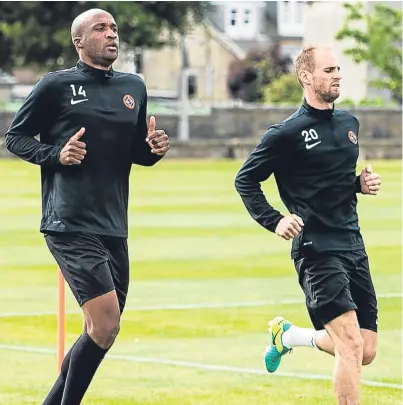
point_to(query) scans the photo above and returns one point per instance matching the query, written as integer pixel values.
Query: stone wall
(241, 123)
(233, 131)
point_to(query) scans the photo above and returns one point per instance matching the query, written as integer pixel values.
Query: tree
(38, 32)
(379, 43)
(242, 80)
(285, 90)
(247, 78)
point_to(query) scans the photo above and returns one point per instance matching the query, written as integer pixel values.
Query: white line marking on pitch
(170, 307)
(209, 367)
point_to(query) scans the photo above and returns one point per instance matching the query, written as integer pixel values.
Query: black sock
(56, 393)
(84, 362)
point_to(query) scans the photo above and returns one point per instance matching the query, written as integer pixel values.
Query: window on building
(286, 11)
(247, 17)
(233, 17)
(241, 21)
(299, 9)
(291, 18)
(138, 62)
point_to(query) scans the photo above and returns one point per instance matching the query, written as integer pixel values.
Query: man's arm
(259, 166)
(141, 151)
(29, 121)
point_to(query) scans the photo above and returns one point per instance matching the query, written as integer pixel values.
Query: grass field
(205, 281)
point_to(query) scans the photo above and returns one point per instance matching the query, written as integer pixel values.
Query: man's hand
(289, 227)
(370, 182)
(74, 150)
(158, 140)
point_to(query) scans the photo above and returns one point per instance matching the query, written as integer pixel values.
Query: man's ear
(305, 77)
(77, 41)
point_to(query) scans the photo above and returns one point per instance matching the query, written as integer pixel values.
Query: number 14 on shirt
(81, 91)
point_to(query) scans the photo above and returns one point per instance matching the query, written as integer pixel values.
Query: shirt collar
(315, 112)
(100, 73)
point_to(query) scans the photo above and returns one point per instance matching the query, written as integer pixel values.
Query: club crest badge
(353, 137)
(128, 101)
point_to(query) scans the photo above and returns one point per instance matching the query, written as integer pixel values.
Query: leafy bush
(285, 90)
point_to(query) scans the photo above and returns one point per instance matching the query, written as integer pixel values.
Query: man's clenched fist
(370, 182)
(74, 150)
(289, 227)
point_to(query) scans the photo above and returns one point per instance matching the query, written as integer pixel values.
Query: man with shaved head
(313, 156)
(92, 122)
(83, 35)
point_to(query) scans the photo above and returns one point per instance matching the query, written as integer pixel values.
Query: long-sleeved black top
(112, 107)
(313, 156)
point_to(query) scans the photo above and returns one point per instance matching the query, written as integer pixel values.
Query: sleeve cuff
(273, 225)
(56, 155)
(358, 184)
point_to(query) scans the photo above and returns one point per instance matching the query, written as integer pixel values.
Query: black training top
(112, 107)
(313, 156)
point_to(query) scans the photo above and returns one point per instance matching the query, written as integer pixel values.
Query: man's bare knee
(370, 342)
(346, 336)
(102, 316)
(104, 331)
(368, 356)
(104, 334)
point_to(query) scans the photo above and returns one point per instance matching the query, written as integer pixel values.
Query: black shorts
(334, 283)
(92, 265)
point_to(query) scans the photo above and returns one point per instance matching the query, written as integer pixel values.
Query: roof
(225, 40)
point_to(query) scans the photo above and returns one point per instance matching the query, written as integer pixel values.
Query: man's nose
(111, 34)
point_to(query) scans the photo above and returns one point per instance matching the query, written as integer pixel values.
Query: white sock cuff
(296, 336)
(314, 339)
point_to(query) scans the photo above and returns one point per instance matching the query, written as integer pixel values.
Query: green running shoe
(276, 349)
